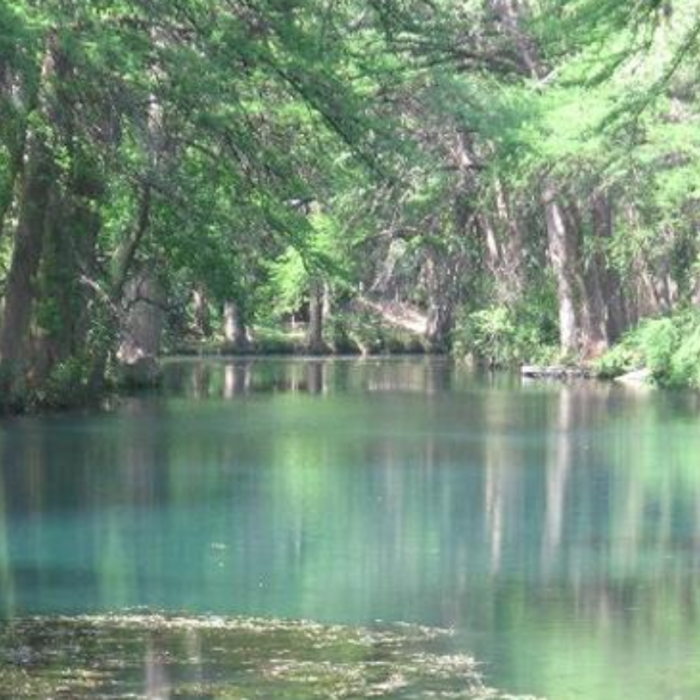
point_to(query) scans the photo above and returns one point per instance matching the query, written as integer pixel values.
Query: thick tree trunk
(8, 186)
(34, 207)
(142, 332)
(34, 210)
(594, 331)
(442, 274)
(592, 311)
(14, 106)
(235, 330)
(589, 271)
(314, 339)
(69, 251)
(110, 307)
(610, 282)
(202, 316)
(565, 260)
(144, 324)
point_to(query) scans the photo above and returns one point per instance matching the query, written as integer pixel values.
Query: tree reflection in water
(555, 528)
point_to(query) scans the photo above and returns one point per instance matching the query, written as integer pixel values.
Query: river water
(553, 528)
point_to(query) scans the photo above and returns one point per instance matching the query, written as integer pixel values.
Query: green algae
(187, 658)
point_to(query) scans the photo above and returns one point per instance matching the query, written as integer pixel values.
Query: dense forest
(509, 180)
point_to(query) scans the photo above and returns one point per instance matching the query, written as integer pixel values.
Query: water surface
(554, 528)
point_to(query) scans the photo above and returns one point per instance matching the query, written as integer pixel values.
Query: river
(553, 530)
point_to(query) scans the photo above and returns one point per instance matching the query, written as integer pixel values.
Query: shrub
(505, 336)
(668, 347)
(65, 387)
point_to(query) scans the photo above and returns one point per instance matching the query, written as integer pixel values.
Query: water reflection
(230, 378)
(157, 681)
(556, 527)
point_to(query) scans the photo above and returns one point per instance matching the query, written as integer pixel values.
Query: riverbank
(664, 351)
(362, 340)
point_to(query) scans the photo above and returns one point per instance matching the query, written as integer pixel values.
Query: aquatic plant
(155, 656)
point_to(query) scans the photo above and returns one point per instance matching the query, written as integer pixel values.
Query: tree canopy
(521, 174)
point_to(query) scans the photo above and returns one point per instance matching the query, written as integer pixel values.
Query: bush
(65, 387)
(623, 358)
(685, 361)
(506, 336)
(13, 388)
(668, 347)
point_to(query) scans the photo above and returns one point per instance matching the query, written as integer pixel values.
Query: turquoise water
(555, 528)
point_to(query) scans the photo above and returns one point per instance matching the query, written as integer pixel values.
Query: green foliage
(393, 149)
(67, 386)
(624, 357)
(13, 387)
(75, 658)
(273, 341)
(289, 279)
(668, 347)
(505, 336)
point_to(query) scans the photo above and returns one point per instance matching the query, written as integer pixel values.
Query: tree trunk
(314, 339)
(563, 253)
(611, 284)
(594, 331)
(34, 210)
(513, 268)
(235, 330)
(110, 307)
(202, 317)
(14, 106)
(589, 271)
(7, 189)
(442, 275)
(70, 243)
(141, 335)
(126, 252)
